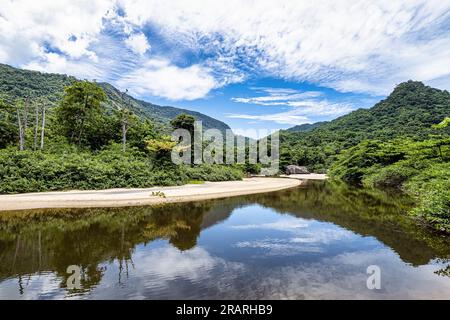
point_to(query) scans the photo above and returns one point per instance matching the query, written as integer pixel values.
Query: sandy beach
(138, 197)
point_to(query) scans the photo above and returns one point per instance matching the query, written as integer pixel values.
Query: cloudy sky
(258, 64)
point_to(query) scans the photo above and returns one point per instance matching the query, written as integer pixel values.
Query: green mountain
(306, 127)
(17, 83)
(409, 111)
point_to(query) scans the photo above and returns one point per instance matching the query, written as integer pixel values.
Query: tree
(8, 130)
(36, 125)
(21, 125)
(186, 122)
(127, 119)
(183, 121)
(80, 108)
(43, 127)
(441, 141)
(161, 149)
(444, 124)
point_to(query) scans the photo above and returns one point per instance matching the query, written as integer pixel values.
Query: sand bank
(139, 197)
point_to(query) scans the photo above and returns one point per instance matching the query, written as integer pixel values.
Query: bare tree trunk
(36, 127)
(80, 133)
(43, 128)
(21, 135)
(25, 114)
(40, 249)
(124, 135)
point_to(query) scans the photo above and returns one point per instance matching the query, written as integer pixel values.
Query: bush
(390, 177)
(28, 171)
(432, 189)
(434, 206)
(206, 172)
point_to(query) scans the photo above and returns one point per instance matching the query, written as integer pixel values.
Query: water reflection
(310, 242)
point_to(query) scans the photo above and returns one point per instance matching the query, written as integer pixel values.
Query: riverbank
(139, 197)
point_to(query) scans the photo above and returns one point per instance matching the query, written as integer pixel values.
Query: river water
(312, 242)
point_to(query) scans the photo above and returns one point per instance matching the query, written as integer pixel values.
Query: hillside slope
(306, 127)
(17, 83)
(409, 111)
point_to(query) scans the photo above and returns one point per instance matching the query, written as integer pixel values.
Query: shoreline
(141, 197)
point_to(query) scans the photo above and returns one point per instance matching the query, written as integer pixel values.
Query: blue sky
(252, 64)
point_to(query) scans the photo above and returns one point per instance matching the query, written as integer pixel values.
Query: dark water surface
(309, 242)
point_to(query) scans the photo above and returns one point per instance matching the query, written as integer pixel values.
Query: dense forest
(58, 133)
(401, 143)
(24, 84)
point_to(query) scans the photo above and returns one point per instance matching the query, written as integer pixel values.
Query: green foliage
(196, 182)
(432, 187)
(409, 111)
(8, 129)
(161, 148)
(20, 84)
(158, 194)
(81, 110)
(421, 169)
(38, 171)
(183, 121)
(389, 177)
(370, 155)
(213, 173)
(443, 124)
(82, 150)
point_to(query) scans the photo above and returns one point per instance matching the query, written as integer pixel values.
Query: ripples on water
(311, 242)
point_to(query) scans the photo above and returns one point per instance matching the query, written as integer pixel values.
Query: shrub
(28, 171)
(206, 172)
(391, 177)
(434, 206)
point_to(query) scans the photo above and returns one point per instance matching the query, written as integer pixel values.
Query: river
(316, 241)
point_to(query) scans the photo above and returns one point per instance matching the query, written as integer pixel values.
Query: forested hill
(305, 127)
(17, 83)
(409, 111)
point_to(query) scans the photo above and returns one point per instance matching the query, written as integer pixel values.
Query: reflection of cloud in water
(43, 286)
(278, 246)
(195, 274)
(340, 277)
(168, 263)
(344, 277)
(166, 272)
(282, 225)
(300, 239)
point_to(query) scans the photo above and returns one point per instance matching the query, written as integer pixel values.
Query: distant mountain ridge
(18, 83)
(306, 127)
(409, 111)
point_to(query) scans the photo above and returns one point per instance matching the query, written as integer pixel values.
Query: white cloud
(302, 106)
(138, 43)
(27, 27)
(349, 45)
(376, 44)
(282, 118)
(278, 96)
(160, 78)
(54, 63)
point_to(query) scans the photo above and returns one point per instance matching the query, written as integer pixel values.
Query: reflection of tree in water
(50, 240)
(37, 241)
(367, 212)
(444, 272)
(179, 224)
